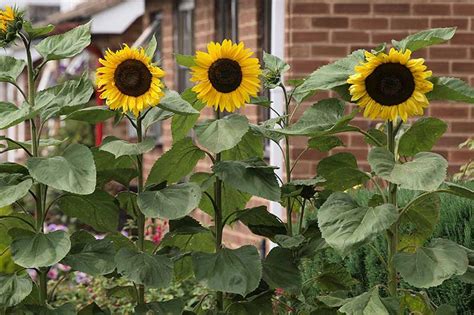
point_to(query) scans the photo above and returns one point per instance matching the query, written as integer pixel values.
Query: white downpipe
(276, 95)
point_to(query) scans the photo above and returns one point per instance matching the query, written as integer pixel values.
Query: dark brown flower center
(225, 75)
(132, 78)
(390, 84)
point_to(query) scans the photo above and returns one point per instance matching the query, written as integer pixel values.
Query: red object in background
(99, 128)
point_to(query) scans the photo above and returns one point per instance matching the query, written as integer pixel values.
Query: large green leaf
(421, 136)
(33, 250)
(222, 134)
(324, 143)
(170, 307)
(451, 89)
(94, 257)
(176, 163)
(99, 210)
(73, 172)
(250, 146)
(273, 71)
(15, 145)
(261, 222)
(120, 147)
(122, 170)
(11, 115)
(368, 303)
(92, 115)
(425, 172)
(10, 68)
(154, 271)
(172, 202)
(281, 271)
(326, 117)
(261, 304)
(252, 176)
(14, 288)
(425, 38)
(185, 60)
(345, 225)
(64, 98)
(154, 115)
(341, 172)
(173, 102)
(417, 303)
(181, 125)
(13, 187)
(329, 76)
(430, 266)
(65, 45)
(36, 32)
(459, 190)
(267, 129)
(229, 270)
(333, 277)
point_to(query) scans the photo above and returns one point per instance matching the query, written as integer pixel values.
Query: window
(227, 20)
(184, 40)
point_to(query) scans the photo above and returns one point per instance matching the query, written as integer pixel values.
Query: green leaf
(421, 136)
(417, 303)
(94, 257)
(451, 89)
(176, 163)
(170, 307)
(326, 117)
(460, 190)
(275, 64)
(281, 271)
(229, 270)
(250, 146)
(33, 250)
(99, 210)
(368, 303)
(425, 172)
(325, 143)
(109, 168)
(267, 129)
(341, 172)
(14, 288)
(64, 98)
(127, 291)
(431, 266)
(120, 147)
(93, 309)
(345, 225)
(151, 47)
(289, 242)
(11, 168)
(73, 172)
(260, 221)
(173, 102)
(181, 125)
(260, 100)
(13, 187)
(261, 304)
(333, 277)
(92, 115)
(172, 202)
(185, 60)
(10, 68)
(36, 32)
(379, 135)
(15, 145)
(155, 271)
(446, 309)
(252, 176)
(425, 38)
(10, 115)
(128, 202)
(65, 45)
(222, 134)
(154, 115)
(419, 222)
(329, 76)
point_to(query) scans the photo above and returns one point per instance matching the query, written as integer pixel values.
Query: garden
(394, 239)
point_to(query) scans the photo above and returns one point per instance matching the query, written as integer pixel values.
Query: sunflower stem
(140, 216)
(219, 226)
(288, 169)
(392, 232)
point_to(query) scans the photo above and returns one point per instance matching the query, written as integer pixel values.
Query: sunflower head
(391, 85)
(226, 75)
(128, 80)
(11, 22)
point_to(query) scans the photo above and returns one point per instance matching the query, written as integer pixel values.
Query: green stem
(302, 216)
(392, 233)
(218, 220)
(140, 216)
(287, 162)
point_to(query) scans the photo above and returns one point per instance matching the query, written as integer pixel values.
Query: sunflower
(391, 85)
(129, 80)
(11, 21)
(226, 75)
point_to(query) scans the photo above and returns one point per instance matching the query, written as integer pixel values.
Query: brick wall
(322, 31)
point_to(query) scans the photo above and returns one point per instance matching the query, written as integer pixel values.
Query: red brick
(305, 37)
(300, 51)
(386, 37)
(310, 8)
(448, 52)
(325, 50)
(454, 167)
(306, 66)
(369, 23)
(300, 22)
(449, 111)
(432, 9)
(463, 38)
(409, 23)
(438, 66)
(460, 156)
(392, 8)
(463, 67)
(349, 37)
(331, 22)
(352, 8)
(443, 153)
(357, 140)
(460, 23)
(463, 9)
(308, 155)
(450, 141)
(462, 127)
